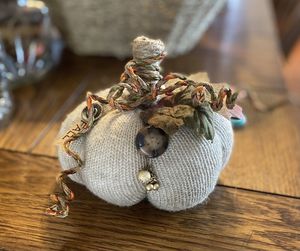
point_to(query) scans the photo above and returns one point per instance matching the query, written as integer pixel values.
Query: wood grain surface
(232, 219)
(256, 205)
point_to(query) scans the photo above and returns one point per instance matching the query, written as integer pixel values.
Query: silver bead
(97, 112)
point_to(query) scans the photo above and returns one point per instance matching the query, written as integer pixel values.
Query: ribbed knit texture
(106, 27)
(188, 171)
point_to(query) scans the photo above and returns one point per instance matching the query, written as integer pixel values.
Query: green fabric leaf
(205, 114)
(202, 122)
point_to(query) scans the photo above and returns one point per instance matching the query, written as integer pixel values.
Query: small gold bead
(149, 187)
(155, 186)
(144, 176)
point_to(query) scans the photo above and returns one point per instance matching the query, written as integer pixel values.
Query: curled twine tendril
(144, 83)
(61, 199)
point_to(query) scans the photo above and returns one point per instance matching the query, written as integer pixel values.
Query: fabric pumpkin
(187, 171)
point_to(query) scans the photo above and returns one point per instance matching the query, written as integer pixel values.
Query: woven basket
(105, 27)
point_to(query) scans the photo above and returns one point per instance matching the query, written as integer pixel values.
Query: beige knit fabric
(187, 171)
(107, 27)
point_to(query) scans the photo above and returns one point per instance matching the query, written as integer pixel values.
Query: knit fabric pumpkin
(164, 138)
(188, 170)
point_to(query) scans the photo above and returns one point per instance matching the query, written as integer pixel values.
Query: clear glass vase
(6, 103)
(29, 47)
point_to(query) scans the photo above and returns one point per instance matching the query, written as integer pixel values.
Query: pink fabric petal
(237, 112)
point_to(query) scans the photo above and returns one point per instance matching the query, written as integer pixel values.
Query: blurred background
(53, 52)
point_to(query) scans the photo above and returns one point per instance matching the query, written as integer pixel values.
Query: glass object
(29, 46)
(6, 104)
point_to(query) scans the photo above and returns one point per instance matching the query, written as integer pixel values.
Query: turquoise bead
(238, 122)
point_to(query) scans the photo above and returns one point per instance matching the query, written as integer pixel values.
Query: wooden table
(256, 204)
